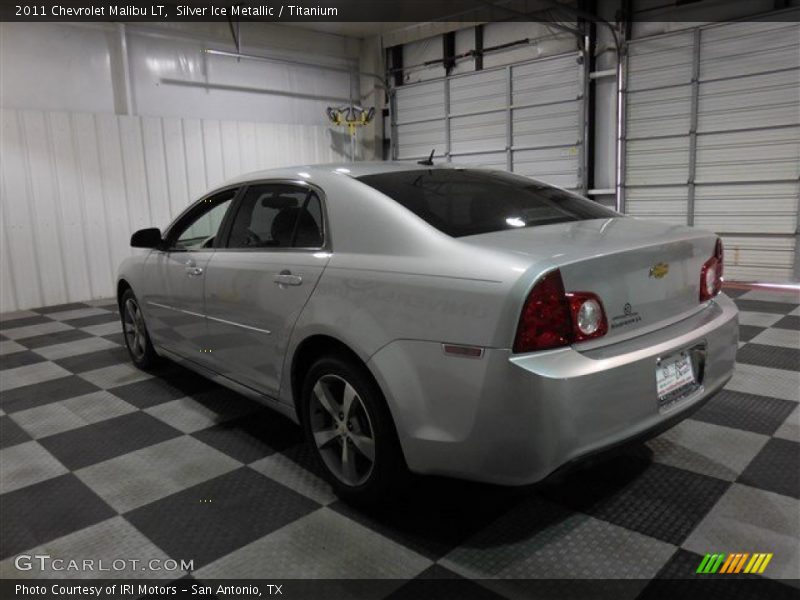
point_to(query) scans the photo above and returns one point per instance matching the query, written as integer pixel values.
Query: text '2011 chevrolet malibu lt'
(444, 320)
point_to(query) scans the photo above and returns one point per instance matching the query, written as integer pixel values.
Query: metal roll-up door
(419, 120)
(657, 129)
(713, 139)
(526, 117)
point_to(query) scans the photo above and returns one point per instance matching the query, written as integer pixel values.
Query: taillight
(552, 317)
(711, 274)
(588, 317)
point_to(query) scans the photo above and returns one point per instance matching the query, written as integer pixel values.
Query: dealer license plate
(675, 379)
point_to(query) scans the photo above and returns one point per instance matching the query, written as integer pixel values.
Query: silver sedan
(441, 320)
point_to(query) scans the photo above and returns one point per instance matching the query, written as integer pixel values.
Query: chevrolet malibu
(442, 320)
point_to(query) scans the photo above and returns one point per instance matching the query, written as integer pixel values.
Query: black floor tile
(11, 434)
(48, 510)
(436, 582)
(253, 436)
(80, 363)
(789, 322)
(181, 378)
(434, 515)
(37, 394)
(60, 308)
(734, 292)
(110, 305)
(775, 468)
(94, 443)
(765, 306)
(19, 359)
(760, 414)
(303, 456)
(225, 402)
(661, 501)
(50, 339)
(94, 320)
(244, 507)
(775, 357)
(117, 338)
(24, 322)
(157, 390)
(748, 332)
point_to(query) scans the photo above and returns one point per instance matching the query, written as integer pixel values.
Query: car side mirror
(147, 238)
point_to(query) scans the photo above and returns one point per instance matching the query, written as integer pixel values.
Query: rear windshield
(461, 202)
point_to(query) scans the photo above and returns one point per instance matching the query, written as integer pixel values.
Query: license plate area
(678, 376)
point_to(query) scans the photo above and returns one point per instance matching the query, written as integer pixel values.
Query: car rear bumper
(514, 419)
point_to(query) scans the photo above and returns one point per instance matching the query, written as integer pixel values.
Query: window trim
(191, 209)
(227, 224)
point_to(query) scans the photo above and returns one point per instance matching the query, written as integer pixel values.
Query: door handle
(285, 278)
(192, 270)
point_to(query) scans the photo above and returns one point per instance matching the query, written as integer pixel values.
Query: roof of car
(353, 169)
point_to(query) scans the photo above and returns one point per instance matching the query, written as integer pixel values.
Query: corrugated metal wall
(76, 185)
(713, 138)
(526, 117)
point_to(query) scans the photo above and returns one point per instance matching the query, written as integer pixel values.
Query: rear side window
(277, 216)
(462, 202)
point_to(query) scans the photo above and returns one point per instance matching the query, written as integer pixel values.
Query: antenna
(428, 161)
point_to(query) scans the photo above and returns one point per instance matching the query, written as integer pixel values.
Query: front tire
(348, 425)
(134, 330)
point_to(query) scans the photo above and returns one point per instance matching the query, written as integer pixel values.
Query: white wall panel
(71, 67)
(78, 67)
(74, 186)
(19, 228)
(98, 239)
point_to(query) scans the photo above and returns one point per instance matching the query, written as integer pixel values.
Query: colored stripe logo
(732, 564)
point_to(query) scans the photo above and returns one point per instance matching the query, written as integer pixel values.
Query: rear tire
(134, 330)
(349, 427)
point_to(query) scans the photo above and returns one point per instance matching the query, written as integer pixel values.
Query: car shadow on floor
(432, 515)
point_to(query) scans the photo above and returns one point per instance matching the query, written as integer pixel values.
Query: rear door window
(462, 202)
(277, 216)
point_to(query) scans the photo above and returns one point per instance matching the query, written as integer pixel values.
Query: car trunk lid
(646, 273)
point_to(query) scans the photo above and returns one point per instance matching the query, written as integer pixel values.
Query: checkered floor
(101, 460)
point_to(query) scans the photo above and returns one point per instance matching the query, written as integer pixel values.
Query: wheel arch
(122, 287)
(308, 351)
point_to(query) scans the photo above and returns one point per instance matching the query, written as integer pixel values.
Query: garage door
(713, 138)
(526, 118)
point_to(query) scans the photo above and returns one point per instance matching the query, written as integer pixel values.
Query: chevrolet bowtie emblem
(659, 270)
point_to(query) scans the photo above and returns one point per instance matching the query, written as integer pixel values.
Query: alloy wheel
(135, 332)
(342, 430)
